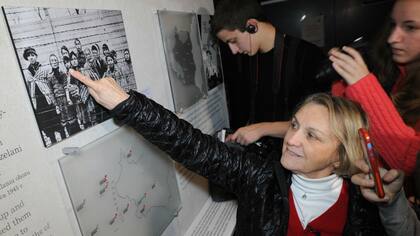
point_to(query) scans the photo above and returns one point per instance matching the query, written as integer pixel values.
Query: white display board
(121, 185)
(34, 199)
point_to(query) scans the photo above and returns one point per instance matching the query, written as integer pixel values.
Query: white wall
(46, 205)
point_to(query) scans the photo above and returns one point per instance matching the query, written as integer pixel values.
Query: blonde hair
(346, 117)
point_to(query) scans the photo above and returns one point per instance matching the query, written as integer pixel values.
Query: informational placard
(25, 199)
(215, 218)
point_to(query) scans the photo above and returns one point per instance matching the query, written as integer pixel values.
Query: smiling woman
(323, 138)
(310, 148)
(389, 92)
(320, 147)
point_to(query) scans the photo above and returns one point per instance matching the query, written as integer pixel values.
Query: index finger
(332, 50)
(82, 78)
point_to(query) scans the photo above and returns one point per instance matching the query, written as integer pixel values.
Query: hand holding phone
(372, 161)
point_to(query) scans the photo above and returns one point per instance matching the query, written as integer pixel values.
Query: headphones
(252, 29)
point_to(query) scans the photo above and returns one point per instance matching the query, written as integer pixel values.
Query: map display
(121, 185)
(182, 47)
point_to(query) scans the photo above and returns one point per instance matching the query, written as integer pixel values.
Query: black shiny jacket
(260, 184)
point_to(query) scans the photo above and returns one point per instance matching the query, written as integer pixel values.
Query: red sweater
(329, 223)
(395, 141)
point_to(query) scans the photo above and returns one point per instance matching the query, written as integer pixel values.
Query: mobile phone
(371, 158)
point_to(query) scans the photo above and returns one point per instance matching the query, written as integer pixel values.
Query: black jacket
(260, 184)
(285, 76)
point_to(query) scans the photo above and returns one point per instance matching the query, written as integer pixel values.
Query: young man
(284, 67)
(243, 27)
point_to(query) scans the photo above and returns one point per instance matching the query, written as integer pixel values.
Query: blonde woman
(395, 123)
(304, 193)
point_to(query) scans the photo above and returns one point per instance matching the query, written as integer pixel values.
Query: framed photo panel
(182, 46)
(50, 41)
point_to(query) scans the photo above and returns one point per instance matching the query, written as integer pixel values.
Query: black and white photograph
(181, 40)
(51, 41)
(211, 53)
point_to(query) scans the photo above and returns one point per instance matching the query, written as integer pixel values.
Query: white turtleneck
(312, 197)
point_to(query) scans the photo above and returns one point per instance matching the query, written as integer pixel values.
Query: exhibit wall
(39, 190)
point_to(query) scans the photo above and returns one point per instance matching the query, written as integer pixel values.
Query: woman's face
(74, 61)
(64, 53)
(67, 64)
(32, 58)
(405, 35)
(310, 148)
(54, 61)
(110, 61)
(95, 53)
(127, 55)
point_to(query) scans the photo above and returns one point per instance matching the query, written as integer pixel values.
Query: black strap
(254, 78)
(279, 47)
(281, 178)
